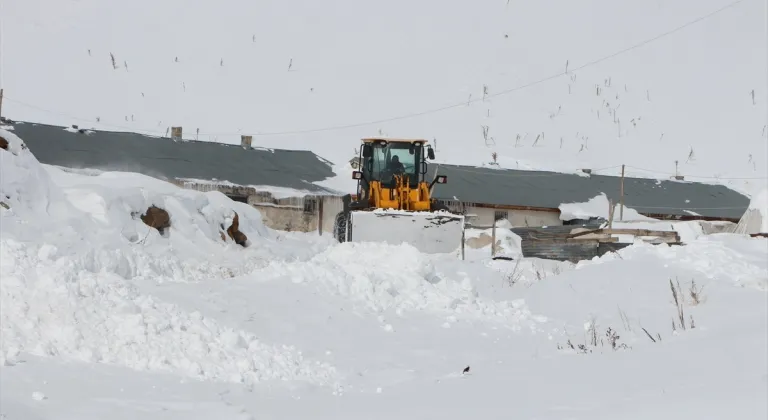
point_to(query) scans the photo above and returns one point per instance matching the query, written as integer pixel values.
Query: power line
(456, 105)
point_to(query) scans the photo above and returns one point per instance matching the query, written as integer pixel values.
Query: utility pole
(493, 237)
(621, 209)
(1, 102)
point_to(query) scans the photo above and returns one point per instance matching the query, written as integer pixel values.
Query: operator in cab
(396, 166)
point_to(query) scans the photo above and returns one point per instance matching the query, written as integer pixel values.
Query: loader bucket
(429, 232)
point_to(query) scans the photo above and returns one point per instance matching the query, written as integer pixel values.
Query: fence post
(320, 215)
(621, 209)
(1, 103)
(493, 237)
(610, 214)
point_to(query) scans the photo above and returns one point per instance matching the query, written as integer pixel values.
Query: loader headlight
(357, 175)
(442, 179)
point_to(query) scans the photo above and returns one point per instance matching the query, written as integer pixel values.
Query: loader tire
(436, 206)
(340, 227)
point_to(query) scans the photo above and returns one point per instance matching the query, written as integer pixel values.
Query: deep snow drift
(187, 325)
(69, 257)
(755, 219)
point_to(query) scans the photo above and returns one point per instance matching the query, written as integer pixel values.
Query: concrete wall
(301, 214)
(518, 218)
(287, 218)
(482, 216)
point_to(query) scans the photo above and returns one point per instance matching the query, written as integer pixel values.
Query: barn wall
(303, 213)
(300, 214)
(483, 216)
(294, 214)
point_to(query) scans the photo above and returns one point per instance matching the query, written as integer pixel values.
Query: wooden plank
(574, 240)
(640, 232)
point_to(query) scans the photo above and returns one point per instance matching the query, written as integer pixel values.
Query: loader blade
(431, 233)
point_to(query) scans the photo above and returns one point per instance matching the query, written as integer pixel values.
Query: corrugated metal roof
(165, 158)
(549, 189)
(168, 159)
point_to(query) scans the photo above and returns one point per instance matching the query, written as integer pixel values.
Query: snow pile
(632, 292)
(67, 272)
(508, 243)
(67, 307)
(395, 277)
(724, 257)
(597, 206)
(755, 219)
(25, 188)
(115, 199)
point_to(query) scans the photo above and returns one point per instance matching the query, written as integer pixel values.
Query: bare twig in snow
(649, 335)
(513, 276)
(695, 293)
(677, 295)
(624, 320)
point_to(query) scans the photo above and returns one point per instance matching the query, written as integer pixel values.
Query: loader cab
(382, 159)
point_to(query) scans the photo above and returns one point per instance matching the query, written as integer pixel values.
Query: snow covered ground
(557, 84)
(101, 316)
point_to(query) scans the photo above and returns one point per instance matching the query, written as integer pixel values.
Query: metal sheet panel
(167, 159)
(509, 187)
(561, 251)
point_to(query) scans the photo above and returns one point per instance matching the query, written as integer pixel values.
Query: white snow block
(431, 233)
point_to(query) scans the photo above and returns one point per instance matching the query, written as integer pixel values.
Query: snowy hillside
(102, 316)
(552, 84)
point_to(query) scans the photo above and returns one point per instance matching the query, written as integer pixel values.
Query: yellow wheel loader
(394, 201)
